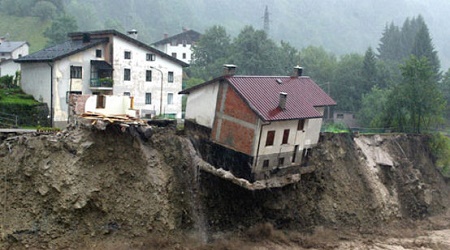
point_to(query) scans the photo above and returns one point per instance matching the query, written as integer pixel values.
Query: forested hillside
(340, 27)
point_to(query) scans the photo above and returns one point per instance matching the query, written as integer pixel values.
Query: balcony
(101, 84)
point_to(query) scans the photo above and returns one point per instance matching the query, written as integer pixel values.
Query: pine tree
(423, 47)
(390, 43)
(416, 103)
(369, 71)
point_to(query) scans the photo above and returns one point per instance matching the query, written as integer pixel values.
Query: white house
(10, 50)
(179, 45)
(104, 62)
(267, 122)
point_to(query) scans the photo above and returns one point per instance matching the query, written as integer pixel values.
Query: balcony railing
(105, 83)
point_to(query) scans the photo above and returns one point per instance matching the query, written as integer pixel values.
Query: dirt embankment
(95, 189)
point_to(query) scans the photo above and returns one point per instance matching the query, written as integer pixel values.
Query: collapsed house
(256, 127)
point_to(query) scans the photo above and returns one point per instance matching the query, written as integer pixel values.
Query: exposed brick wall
(237, 137)
(236, 107)
(77, 104)
(232, 134)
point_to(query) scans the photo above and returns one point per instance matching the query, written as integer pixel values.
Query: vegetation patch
(440, 148)
(21, 109)
(335, 128)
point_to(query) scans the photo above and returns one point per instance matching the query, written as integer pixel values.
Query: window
(184, 55)
(127, 55)
(285, 136)
(127, 74)
(150, 57)
(265, 163)
(174, 54)
(126, 94)
(170, 76)
(101, 101)
(340, 116)
(170, 98)
(148, 98)
(280, 161)
(301, 124)
(270, 137)
(98, 53)
(148, 75)
(75, 72)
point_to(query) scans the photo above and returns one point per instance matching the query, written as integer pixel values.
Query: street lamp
(161, 97)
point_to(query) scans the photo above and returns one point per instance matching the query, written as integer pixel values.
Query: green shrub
(335, 128)
(440, 148)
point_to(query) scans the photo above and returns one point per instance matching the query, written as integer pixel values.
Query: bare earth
(125, 188)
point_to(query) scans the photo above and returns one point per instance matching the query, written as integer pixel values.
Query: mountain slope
(28, 29)
(339, 26)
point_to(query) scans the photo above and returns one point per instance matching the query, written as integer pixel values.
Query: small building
(179, 45)
(104, 62)
(10, 50)
(345, 117)
(257, 125)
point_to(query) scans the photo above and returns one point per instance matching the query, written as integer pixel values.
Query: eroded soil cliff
(119, 189)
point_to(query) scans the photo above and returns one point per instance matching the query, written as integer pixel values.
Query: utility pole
(266, 21)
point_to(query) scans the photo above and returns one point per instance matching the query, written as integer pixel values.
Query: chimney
(282, 103)
(298, 71)
(229, 69)
(86, 38)
(133, 34)
(166, 35)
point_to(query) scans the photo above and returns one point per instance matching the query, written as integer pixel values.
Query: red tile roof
(262, 94)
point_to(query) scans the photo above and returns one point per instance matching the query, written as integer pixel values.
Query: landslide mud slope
(61, 187)
(83, 186)
(349, 188)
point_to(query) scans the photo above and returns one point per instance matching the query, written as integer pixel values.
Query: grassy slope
(28, 29)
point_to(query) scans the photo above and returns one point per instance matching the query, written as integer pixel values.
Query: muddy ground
(127, 188)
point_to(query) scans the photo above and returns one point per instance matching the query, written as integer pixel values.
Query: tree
(444, 87)
(254, 52)
(44, 10)
(210, 53)
(286, 58)
(416, 103)
(423, 47)
(390, 44)
(396, 45)
(369, 71)
(57, 32)
(17, 7)
(373, 106)
(346, 88)
(318, 64)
